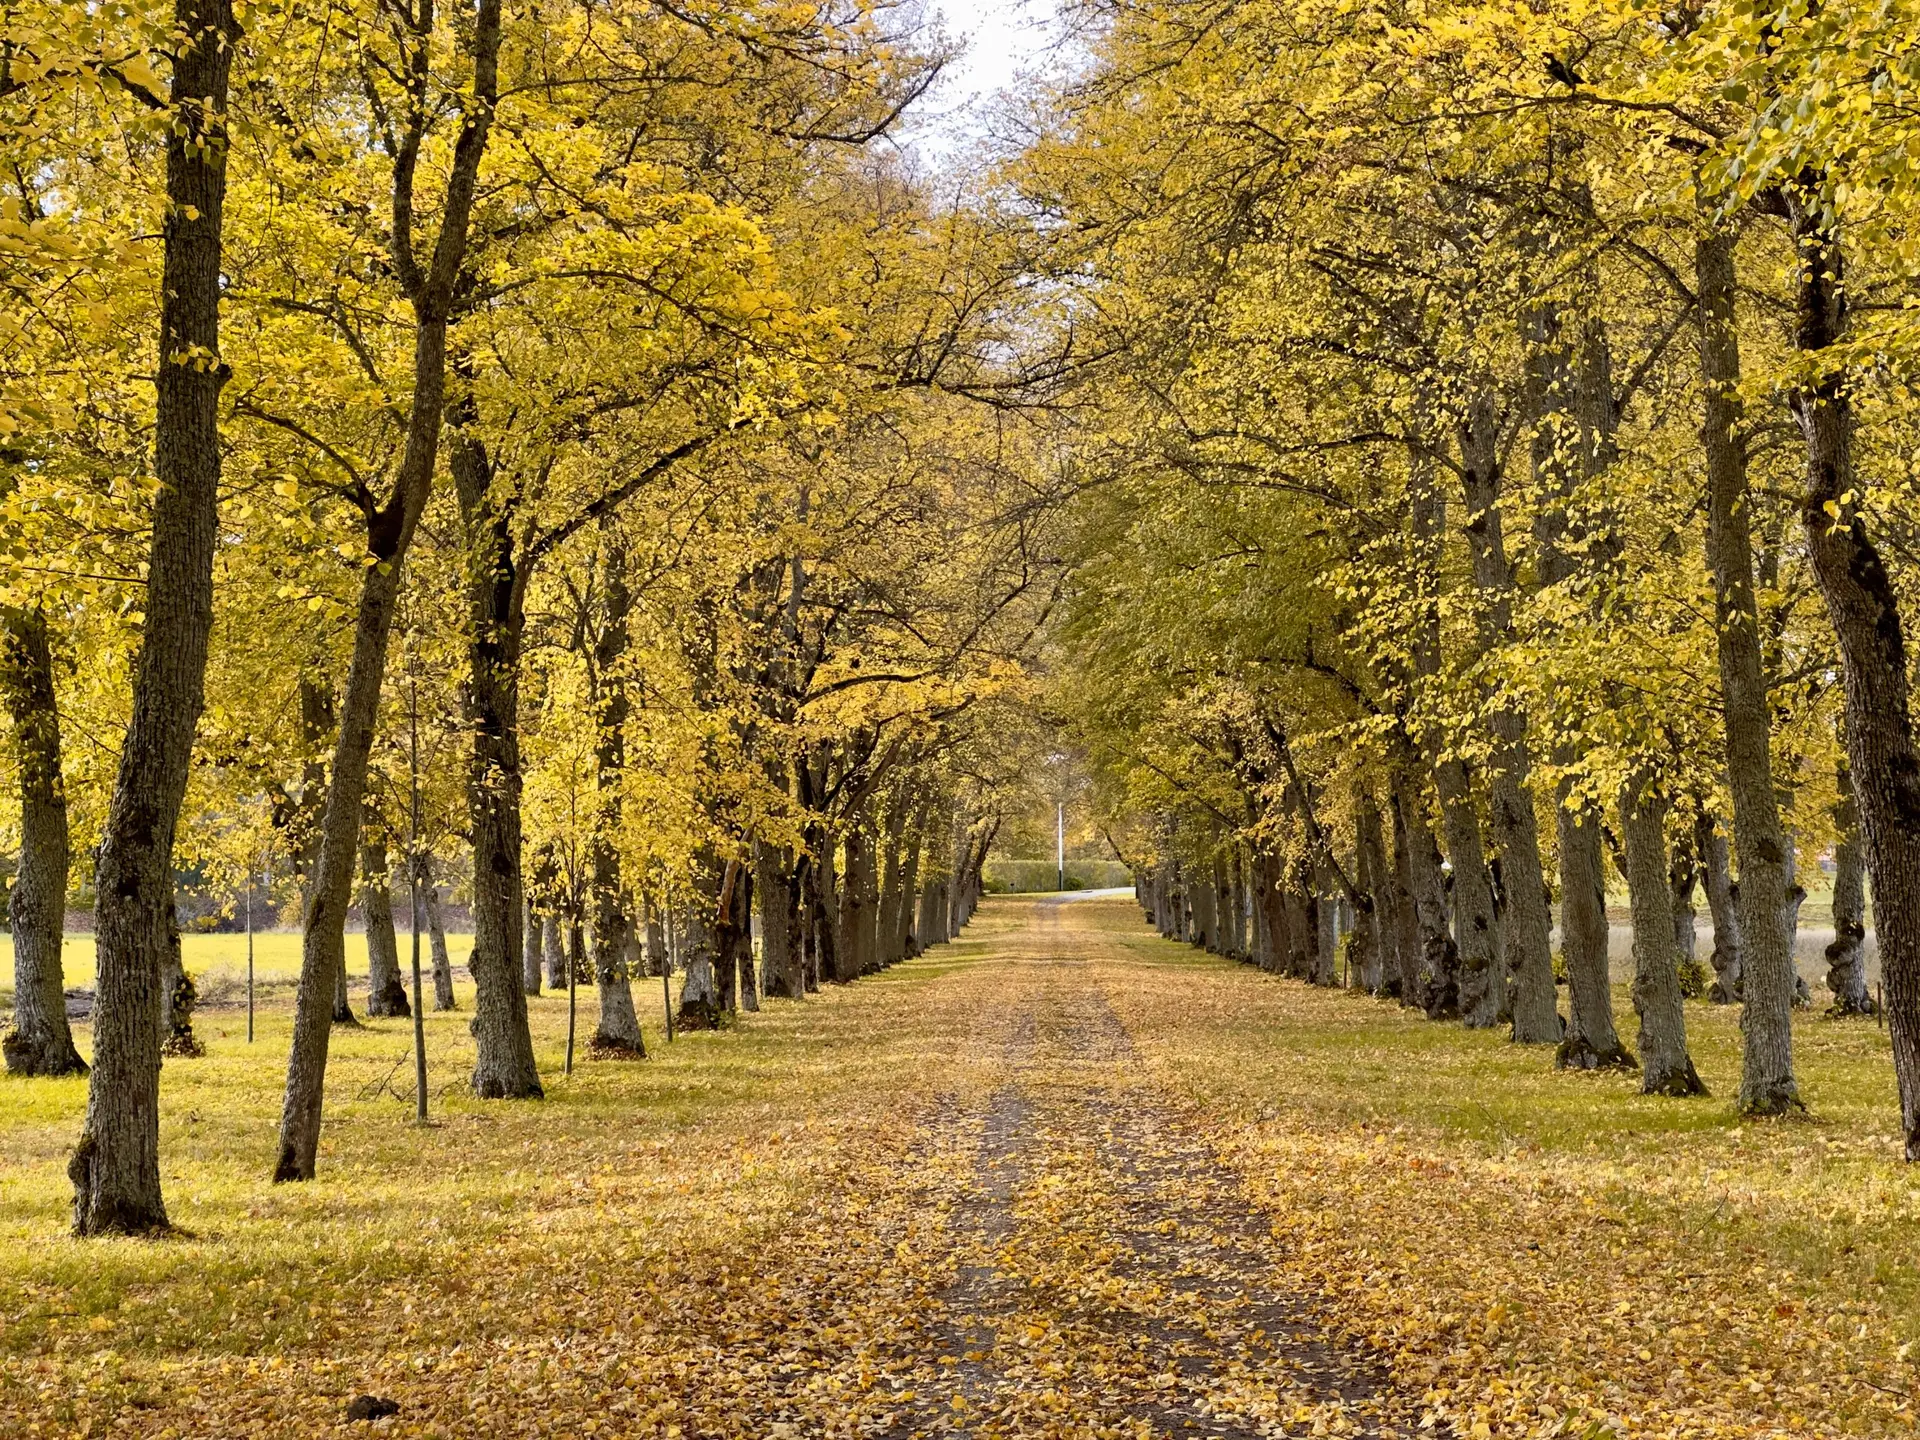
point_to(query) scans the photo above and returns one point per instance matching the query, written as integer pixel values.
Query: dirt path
(1108, 1275)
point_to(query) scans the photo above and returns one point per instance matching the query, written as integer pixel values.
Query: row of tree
(1501, 483)
(573, 446)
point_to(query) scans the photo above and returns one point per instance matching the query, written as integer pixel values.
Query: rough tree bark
(1592, 1041)
(1524, 942)
(1666, 1069)
(115, 1168)
(1436, 989)
(40, 1041)
(1864, 609)
(1766, 958)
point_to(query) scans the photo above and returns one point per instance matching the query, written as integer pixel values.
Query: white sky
(1003, 38)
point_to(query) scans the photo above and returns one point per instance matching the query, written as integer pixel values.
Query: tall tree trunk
(1206, 922)
(1372, 928)
(555, 948)
(530, 949)
(1863, 607)
(386, 993)
(1473, 918)
(436, 938)
(1400, 925)
(1592, 1041)
(1683, 878)
(893, 861)
(1765, 973)
(505, 1064)
(618, 1032)
(906, 942)
(777, 893)
(740, 940)
(619, 1029)
(1269, 913)
(115, 1168)
(1525, 942)
(1666, 1067)
(933, 913)
(41, 1041)
(856, 902)
(1723, 904)
(1846, 956)
(700, 1007)
(823, 907)
(1436, 990)
(1326, 932)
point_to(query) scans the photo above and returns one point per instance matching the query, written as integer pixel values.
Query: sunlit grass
(219, 962)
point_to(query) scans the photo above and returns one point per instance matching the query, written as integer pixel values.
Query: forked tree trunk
(386, 992)
(40, 1041)
(739, 939)
(1592, 1041)
(1766, 958)
(1666, 1068)
(115, 1168)
(1846, 956)
(505, 1064)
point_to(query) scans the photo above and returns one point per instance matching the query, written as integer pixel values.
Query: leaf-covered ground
(1060, 1179)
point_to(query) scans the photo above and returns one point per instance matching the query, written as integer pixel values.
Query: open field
(218, 963)
(798, 1222)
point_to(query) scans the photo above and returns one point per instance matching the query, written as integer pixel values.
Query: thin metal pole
(666, 972)
(1060, 846)
(413, 882)
(573, 968)
(249, 952)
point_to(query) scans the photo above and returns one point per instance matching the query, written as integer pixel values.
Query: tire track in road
(1109, 1275)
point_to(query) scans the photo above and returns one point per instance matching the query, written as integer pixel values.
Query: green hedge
(1030, 876)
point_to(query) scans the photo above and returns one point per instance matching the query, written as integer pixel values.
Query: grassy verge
(622, 1199)
(1553, 1253)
